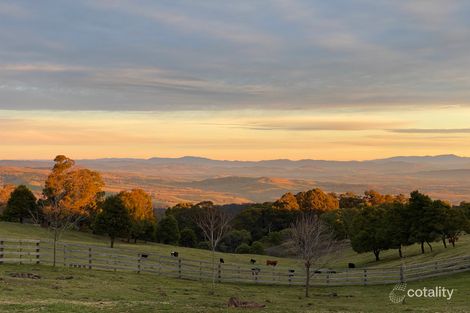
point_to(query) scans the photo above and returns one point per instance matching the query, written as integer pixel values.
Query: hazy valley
(195, 179)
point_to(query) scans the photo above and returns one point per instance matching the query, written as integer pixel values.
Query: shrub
(243, 249)
(188, 238)
(257, 248)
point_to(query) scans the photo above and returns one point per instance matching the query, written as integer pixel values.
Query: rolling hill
(173, 180)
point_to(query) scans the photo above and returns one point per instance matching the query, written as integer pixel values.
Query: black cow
(252, 261)
(222, 260)
(174, 254)
(351, 265)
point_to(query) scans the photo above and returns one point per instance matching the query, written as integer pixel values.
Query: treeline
(373, 222)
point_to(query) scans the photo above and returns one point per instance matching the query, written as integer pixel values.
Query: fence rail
(90, 257)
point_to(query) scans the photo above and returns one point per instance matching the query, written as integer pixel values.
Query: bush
(257, 248)
(167, 231)
(188, 238)
(244, 248)
(233, 239)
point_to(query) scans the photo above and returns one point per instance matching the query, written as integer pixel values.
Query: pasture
(41, 288)
(80, 290)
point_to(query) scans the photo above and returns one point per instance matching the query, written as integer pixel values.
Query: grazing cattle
(317, 272)
(252, 261)
(330, 272)
(174, 254)
(144, 256)
(255, 271)
(221, 260)
(271, 263)
(351, 265)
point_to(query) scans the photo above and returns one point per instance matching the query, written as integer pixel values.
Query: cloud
(269, 55)
(431, 130)
(301, 124)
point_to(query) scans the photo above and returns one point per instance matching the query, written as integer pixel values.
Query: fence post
(219, 272)
(139, 258)
(402, 274)
(200, 270)
(179, 268)
(89, 258)
(37, 253)
(65, 255)
(327, 279)
(365, 276)
(159, 265)
(21, 252)
(1, 251)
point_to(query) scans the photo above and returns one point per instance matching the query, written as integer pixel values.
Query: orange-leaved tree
(70, 195)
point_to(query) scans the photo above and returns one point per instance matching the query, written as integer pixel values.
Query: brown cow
(271, 262)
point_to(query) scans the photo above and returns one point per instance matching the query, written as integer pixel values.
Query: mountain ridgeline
(174, 180)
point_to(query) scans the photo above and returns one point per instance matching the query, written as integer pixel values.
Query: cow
(221, 261)
(271, 262)
(252, 261)
(255, 271)
(174, 254)
(144, 255)
(351, 265)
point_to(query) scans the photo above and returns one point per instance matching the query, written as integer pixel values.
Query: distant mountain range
(172, 180)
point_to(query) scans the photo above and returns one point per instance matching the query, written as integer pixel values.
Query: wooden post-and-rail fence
(20, 251)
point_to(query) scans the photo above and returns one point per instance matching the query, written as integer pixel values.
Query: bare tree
(214, 224)
(313, 242)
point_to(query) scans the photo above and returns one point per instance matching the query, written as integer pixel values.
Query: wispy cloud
(431, 130)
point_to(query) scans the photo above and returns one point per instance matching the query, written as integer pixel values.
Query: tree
(185, 214)
(214, 224)
(453, 224)
(21, 205)
(287, 202)
(243, 248)
(311, 240)
(188, 238)
(139, 205)
(5, 193)
(369, 232)
(350, 200)
(114, 219)
(316, 200)
(425, 219)
(257, 248)
(398, 225)
(233, 239)
(70, 196)
(167, 231)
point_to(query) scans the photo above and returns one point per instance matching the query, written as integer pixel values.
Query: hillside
(173, 180)
(82, 290)
(389, 258)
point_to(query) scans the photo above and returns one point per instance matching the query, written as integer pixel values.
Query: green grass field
(80, 290)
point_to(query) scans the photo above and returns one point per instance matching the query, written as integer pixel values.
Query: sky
(246, 80)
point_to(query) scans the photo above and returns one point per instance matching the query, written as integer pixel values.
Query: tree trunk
(376, 253)
(112, 242)
(307, 280)
(444, 241)
(430, 247)
(400, 252)
(56, 236)
(213, 269)
(422, 246)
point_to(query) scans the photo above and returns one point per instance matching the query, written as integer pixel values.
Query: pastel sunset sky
(243, 80)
